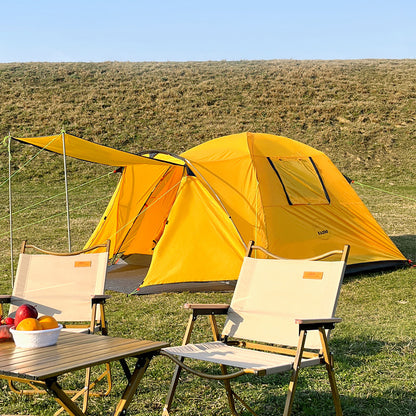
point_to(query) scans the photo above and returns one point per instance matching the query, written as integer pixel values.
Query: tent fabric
(284, 195)
(88, 151)
(226, 164)
(205, 247)
(260, 208)
(138, 207)
(193, 214)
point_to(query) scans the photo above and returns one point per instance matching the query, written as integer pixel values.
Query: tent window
(301, 180)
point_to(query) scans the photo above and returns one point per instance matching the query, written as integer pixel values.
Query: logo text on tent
(323, 232)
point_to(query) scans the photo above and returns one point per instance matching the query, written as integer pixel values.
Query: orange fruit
(29, 324)
(48, 322)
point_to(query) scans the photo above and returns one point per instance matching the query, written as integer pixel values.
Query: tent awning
(88, 151)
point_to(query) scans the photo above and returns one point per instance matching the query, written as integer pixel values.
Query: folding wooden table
(43, 366)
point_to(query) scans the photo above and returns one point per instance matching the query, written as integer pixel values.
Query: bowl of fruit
(31, 331)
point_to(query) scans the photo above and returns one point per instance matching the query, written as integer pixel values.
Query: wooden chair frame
(305, 325)
(96, 325)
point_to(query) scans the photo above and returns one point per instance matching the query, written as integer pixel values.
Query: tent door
(128, 273)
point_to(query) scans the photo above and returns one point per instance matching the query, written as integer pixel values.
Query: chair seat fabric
(221, 353)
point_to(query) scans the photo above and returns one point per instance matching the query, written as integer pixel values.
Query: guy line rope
(7, 142)
(384, 191)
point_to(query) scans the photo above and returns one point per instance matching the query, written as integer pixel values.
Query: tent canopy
(85, 150)
(190, 217)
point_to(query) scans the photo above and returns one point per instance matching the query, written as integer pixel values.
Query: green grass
(361, 113)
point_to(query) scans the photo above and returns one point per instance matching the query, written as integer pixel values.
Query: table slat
(72, 352)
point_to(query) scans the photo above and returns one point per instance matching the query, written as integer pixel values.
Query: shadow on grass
(349, 351)
(309, 402)
(406, 244)
(390, 403)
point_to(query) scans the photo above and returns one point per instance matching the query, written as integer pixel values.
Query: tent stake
(66, 192)
(10, 211)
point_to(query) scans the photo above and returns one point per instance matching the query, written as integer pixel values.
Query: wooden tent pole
(66, 192)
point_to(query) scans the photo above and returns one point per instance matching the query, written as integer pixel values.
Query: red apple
(9, 321)
(25, 311)
(5, 334)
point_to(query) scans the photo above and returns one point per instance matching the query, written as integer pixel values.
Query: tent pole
(10, 211)
(66, 192)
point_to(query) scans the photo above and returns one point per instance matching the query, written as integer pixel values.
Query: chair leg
(107, 374)
(104, 329)
(231, 395)
(294, 379)
(329, 364)
(334, 390)
(172, 389)
(227, 383)
(244, 403)
(86, 393)
(230, 392)
(178, 369)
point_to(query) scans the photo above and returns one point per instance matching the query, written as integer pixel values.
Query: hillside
(359, 112)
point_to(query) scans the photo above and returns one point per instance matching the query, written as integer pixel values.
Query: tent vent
(301, 180)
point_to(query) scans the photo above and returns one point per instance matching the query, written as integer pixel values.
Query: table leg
(141, 367)
(62, 398)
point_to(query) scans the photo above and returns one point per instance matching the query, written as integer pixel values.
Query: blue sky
(127, 30)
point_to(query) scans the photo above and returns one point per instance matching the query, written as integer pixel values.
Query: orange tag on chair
(313, 275)
(83, 264)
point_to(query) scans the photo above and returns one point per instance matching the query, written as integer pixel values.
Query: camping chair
(276, 302)
(68, 286)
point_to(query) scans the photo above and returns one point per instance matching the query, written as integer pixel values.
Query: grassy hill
(361, 113)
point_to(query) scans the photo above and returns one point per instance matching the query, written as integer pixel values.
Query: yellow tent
(184, 220)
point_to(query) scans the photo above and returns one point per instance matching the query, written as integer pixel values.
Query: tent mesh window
(301, 180)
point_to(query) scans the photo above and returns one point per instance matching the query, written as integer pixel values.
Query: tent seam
(258, 191)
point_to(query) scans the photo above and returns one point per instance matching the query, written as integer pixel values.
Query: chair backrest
(60, 284)
(270, 294)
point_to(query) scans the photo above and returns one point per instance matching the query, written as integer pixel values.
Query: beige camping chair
(277, 302)
(69, 287)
